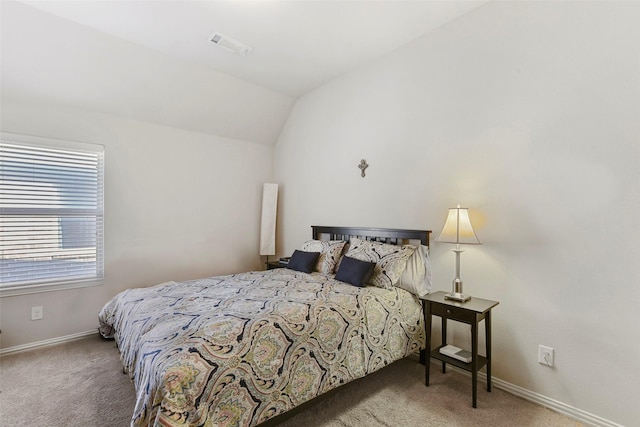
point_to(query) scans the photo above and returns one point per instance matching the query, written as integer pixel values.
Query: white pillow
(416, 277)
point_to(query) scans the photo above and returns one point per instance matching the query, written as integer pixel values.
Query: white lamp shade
(458, 228)
(268, 220)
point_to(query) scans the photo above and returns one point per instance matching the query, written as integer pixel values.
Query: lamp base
(456, 293)
(457, 296)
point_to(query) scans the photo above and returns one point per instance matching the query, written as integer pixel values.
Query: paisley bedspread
(238, 350)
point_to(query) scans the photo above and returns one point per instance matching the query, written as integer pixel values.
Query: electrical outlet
(37, 313)
(545, 355)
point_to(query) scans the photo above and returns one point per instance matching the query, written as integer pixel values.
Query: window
(51, 214)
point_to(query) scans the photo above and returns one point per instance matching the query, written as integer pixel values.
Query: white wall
(178, 205)
(528, 114)
(187, 151)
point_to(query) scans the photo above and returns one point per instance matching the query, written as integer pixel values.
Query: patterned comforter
(238, 350)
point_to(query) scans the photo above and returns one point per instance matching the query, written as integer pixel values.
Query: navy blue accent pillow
(303, 261)
(354, 271)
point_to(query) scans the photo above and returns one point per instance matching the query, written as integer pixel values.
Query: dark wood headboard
(385, 235)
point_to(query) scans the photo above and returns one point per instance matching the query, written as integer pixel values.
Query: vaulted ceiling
(153, 60)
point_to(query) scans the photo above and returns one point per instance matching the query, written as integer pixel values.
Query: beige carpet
(80, 383)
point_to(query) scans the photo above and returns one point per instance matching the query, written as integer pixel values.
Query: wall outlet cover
(545, 355)
(37, 313)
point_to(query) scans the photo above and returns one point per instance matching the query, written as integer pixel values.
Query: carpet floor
(80, 383)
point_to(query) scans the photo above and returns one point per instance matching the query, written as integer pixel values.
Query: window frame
(64, 283)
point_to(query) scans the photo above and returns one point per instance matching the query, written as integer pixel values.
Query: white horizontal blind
(51, 213)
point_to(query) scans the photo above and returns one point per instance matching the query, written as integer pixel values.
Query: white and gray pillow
(330, 253)
(390, 260)
(417, 275)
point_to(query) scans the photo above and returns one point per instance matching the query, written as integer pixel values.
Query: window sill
(11, 291)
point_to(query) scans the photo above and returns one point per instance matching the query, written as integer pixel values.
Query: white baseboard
(52, 341)
(562, 408)
(556, 406)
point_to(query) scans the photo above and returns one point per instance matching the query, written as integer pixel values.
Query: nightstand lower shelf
(455, 362)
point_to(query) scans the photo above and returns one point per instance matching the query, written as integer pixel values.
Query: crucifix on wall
(363, 166)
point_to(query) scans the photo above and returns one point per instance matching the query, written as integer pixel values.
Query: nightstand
(470, 312)
(271, 265)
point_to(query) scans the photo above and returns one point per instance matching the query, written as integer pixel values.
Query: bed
(242, 349)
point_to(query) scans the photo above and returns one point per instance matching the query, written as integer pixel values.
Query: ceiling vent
(231, 44)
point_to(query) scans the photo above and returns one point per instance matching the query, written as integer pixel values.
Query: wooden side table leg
(444, 341)
(474, 361)
(487, 329)
(426, 309)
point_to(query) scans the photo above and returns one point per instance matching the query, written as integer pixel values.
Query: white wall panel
(179, 205)
(527, 113)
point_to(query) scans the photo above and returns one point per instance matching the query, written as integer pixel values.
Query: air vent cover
(231, 44)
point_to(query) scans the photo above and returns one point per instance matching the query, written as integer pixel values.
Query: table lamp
(457, 229)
